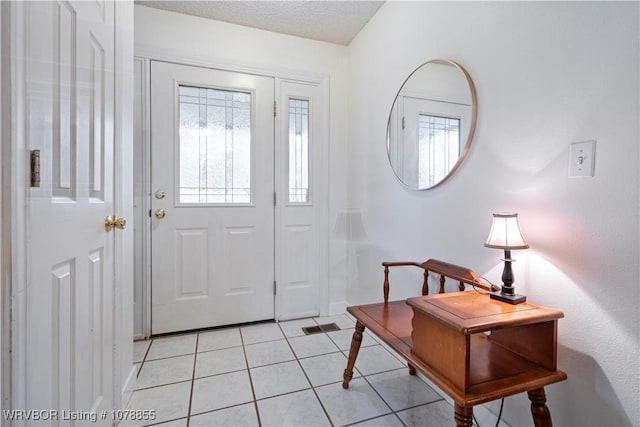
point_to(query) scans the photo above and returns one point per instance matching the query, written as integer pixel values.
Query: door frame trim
(142, 197)
(14, 220)
(124, 368)
(147, 55)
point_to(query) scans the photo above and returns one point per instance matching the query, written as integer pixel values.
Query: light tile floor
(271, 374)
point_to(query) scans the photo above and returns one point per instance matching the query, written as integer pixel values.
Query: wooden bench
(484, 349)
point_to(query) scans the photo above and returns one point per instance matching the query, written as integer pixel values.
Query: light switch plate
(582, 159)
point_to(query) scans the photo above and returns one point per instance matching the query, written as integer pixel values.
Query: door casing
(143, 57)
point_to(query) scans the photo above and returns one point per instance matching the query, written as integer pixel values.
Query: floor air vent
(320, 328)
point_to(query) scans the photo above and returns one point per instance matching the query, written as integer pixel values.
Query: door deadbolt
(160, 213)
(160, 194)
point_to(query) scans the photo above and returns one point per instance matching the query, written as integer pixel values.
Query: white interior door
(212, 181)
(70, 119)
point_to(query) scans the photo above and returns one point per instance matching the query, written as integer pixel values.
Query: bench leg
(463, 416)
(353, 354)
(539, 409)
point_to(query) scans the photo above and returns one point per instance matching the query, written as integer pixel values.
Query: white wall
(219, 43)
(547, 74)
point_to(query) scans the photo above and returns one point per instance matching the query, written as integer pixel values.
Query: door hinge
(274, 108)
(274, 287)
(35, 168)
(274, 198)
(403, 123)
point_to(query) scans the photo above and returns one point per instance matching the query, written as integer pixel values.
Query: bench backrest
(464, 276)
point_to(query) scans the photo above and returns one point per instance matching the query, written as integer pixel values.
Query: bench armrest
(464, 276)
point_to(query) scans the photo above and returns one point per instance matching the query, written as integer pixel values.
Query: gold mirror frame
(471, 130)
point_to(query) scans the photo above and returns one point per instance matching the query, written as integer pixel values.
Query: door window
(214, 146)
(298, 151)
(438, 147)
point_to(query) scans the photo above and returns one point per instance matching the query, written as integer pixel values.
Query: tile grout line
(144, 359)
(298, 360)
(313, 389)
(374, 418)
(253, 391)
(193, 376)
(393, 412)
(169, 357)
(364, 377)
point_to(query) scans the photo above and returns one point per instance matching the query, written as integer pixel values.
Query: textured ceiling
(329, 21)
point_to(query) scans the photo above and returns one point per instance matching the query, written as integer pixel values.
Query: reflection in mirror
(431, 124)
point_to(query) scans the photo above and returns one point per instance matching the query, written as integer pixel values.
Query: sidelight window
(298, 151)
(438, 148)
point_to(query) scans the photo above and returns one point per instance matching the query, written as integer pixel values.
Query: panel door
(299, 174)
(70, 119)
(212, 183)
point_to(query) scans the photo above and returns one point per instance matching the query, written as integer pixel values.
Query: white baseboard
(339, 307)
(129, 386)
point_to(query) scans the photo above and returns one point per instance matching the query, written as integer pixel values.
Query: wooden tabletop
(473, 312)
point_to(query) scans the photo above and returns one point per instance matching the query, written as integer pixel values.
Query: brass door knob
(160, 213)
(114, 222)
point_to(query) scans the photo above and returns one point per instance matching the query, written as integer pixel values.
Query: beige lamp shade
(505, 232)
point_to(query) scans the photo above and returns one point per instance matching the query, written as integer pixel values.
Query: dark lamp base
(508, 298)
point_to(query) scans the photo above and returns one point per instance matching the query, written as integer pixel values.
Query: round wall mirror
(431, 124)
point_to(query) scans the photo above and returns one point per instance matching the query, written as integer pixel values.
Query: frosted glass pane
(215, 146)
(298, 151)
(438, 148)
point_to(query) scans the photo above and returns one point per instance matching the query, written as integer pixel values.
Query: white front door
(70, 291)
(212, 181)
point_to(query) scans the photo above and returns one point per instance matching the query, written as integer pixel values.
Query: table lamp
(505, 234)
(350, 227)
